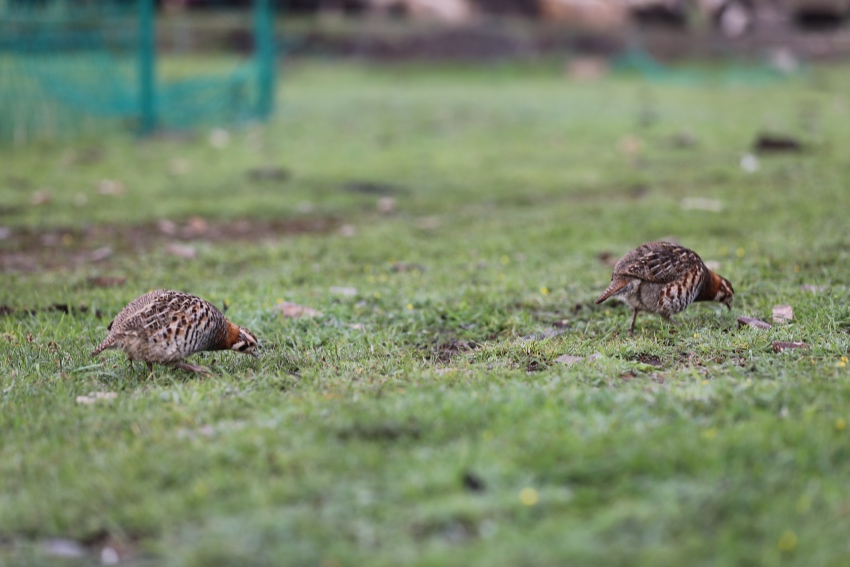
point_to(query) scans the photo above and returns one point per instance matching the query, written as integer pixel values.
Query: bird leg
(190, 367)
(150, 367)
(634, 318)
(670, 320)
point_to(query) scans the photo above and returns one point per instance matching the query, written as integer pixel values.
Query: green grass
(348, 442)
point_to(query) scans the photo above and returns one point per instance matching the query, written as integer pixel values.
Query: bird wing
(658, 262)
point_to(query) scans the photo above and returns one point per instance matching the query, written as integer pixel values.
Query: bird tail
(616, 285)
(108, 343)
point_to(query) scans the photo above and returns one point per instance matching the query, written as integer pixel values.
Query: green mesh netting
(726, 73)
(72, 67)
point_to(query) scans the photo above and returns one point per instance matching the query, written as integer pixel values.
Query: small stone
(347, 230)
(782, 313)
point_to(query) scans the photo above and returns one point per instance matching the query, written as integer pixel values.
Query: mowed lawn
(451, 228)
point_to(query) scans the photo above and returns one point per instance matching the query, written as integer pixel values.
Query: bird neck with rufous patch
(710, 288)
(231, 337)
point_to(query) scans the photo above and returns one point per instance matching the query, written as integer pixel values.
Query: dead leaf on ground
(766, 143)
(185, 251)
(5, 232)
(752, 322)
(294, 311)
(107, 281)
(712, 265)
(814, 288)
(347, 230)
(782, 313)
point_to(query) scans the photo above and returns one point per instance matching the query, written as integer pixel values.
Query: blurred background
(76, 66)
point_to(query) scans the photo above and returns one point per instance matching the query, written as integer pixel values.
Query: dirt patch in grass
(33, 250)
(381, 432)
(445, 352)
(649, 359)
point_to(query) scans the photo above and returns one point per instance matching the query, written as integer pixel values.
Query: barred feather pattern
(665, 278)
(166, 326)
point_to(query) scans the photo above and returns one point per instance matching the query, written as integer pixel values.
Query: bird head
(724, 292)
(245, 342)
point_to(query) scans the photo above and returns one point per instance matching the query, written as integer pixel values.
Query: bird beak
(729, 306)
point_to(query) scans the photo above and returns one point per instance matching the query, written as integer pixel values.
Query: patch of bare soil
(34, 250)
(445, 352)
(649, 359)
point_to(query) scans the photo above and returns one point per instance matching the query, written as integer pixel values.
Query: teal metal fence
(76, 67)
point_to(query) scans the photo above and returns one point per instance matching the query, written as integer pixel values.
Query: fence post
(265, 55)
(147, 67)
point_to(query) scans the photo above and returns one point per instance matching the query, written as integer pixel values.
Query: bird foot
(191, 367)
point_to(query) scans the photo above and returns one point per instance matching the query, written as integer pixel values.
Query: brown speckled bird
(664, 278)
(166, 326)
